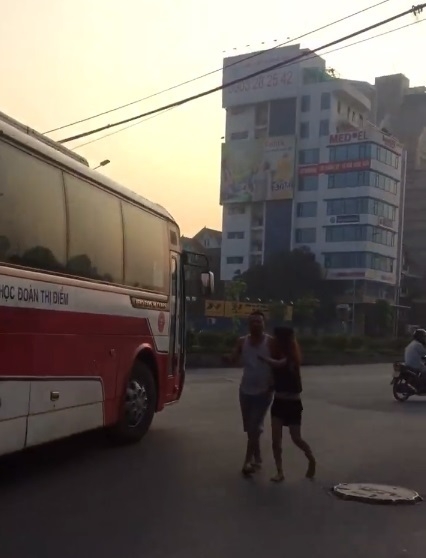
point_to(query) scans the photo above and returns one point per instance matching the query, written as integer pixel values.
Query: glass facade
(359, 233)
(367, 150)
(362, 205)
(358, 260)
(363, 178)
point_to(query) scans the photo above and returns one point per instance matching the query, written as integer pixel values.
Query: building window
(325, 101)
(282, 117)
(348, 179)
(234, 259)
(255, 260)
(307, 209)
(33, 230)
(95, 246)
(324, 128)
(360, 151)
(309, 156)
(304, 130)
(339, 107)
(357, 233)
(308, 183)
(261, 114)
(363, 178)
(306, 236)
(236, 209)
(235, 235)
(362, 205)
(305, 105)
(239, 135)
(260, 133)
(354, 260)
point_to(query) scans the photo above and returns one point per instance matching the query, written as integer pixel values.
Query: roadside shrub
(210, 340)
(335, 342)
(215, 342)
(308, 342)
(356, 343)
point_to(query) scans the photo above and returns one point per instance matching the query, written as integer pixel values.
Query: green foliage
(305, 309)
(335, 342)
(224, 342)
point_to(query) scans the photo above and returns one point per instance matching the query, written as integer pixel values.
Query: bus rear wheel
(138, 406)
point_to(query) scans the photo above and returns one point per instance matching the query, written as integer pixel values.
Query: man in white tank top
(255, 387)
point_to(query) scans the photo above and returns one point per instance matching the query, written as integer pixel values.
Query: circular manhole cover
(376, 493)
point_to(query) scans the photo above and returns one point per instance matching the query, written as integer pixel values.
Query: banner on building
(258, 170)
(330, 168)
(282, 82)
(234, 309)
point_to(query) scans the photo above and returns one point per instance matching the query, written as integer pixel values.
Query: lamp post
(102, 164)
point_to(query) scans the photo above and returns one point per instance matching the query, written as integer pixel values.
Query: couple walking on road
(271, 375)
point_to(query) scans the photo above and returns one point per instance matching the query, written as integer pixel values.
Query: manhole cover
(376, 493)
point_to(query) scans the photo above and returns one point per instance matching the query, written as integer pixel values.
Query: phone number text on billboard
(264, 87)
(259, 82)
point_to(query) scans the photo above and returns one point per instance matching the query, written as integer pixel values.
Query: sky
(65, 60)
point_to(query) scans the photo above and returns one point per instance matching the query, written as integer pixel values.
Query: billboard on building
(275, 84)
(258, 170)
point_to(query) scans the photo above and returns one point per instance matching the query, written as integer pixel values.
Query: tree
(286, 276)
(305, 309)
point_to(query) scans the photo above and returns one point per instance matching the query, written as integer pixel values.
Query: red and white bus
(92, 298)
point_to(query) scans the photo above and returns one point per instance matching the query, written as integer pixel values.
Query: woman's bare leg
(277, 435)
(296, 436)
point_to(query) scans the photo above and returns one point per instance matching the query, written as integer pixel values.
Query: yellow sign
(214, 308)
(243, 309)
(258, 170)
(233, 309)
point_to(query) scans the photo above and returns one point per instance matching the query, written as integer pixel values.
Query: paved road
(179, 493)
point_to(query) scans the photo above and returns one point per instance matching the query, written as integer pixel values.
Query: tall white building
(302, 166)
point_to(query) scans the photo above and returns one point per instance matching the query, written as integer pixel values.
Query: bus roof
(39, 143)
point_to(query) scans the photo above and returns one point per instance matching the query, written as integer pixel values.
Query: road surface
(179, 493)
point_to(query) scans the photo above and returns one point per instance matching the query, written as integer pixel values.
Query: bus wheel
(138, 406)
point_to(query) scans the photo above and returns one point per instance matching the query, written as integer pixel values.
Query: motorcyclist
(415, 352)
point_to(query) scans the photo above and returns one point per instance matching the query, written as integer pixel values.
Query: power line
(253, 55)
(328, 52)
(413, 10)
(123, 129)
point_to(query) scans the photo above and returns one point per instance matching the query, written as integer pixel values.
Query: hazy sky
(63, 60)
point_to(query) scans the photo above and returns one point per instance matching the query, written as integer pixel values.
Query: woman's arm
(275, 363)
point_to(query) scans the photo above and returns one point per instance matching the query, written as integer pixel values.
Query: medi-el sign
(348, 137)
(372, 134)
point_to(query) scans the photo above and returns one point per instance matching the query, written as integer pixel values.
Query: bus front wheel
(138, 406)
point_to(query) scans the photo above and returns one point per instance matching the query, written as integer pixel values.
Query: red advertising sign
(330, 168)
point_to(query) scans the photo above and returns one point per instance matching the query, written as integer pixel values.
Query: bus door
(176, 323)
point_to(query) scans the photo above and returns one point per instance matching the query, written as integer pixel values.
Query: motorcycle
(406, 382)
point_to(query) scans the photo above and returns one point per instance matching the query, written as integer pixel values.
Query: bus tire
(138, 407)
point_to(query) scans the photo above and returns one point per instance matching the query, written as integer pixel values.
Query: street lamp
(102, 164)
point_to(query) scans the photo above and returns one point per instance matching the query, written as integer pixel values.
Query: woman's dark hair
(288, 344)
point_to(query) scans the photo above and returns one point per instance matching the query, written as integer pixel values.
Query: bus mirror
(207, 283)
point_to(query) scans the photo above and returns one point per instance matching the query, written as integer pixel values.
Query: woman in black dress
(287, 406)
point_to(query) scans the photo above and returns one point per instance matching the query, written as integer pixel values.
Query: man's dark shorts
(253, 410)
